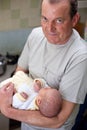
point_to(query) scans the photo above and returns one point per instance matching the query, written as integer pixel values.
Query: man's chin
(53, 41)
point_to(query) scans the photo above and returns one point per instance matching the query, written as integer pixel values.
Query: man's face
(56, 21)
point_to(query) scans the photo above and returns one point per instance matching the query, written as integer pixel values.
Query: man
(57, 53)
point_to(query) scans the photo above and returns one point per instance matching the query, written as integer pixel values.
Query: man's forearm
(36, 118)
(32, 118)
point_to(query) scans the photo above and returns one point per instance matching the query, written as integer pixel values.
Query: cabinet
(4, 122)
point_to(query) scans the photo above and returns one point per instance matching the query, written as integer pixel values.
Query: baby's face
(40, 96)
(42, 92)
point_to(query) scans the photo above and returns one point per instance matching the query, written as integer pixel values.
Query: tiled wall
(83, 14)
(22, 14)
(19, 14)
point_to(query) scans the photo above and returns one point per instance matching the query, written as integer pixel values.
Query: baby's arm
(21, 96)
(37, 86)
(39, 83)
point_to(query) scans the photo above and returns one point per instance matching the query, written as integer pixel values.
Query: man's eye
(43, 19)
(60, 20)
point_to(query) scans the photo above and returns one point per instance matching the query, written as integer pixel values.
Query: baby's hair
(51, 104)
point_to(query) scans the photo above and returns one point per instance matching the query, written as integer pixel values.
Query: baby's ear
(38, 101)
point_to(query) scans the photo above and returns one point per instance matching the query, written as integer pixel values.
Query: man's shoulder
(36, 36)
(79, 43)
(37, 30)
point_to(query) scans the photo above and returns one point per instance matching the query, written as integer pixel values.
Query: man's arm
(21, 69)
(33, 117)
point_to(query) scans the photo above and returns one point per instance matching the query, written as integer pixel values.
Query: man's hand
(6, 93)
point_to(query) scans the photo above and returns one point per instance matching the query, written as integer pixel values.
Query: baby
(49, 101)
(34, 94)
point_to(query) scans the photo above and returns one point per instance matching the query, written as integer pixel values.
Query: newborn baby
(34, 94)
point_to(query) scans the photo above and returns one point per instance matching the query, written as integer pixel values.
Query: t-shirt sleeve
(74, 82)
(23, 59)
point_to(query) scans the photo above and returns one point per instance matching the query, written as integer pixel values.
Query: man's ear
(75, 19)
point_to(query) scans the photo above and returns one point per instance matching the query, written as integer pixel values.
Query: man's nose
(51, 26)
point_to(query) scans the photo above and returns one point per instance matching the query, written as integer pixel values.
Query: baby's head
(49, 102)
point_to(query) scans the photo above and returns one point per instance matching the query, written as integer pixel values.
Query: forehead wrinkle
(53, 13)
(52, 7)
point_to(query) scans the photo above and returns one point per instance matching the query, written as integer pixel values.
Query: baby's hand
(37, 88)
(24, 95)
(37, 85)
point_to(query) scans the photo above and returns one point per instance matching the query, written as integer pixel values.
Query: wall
(13, 41)
(19, 14)
(83, 14)
(17, 18)
(83, 19)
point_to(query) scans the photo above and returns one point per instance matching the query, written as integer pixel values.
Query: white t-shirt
(62, 66)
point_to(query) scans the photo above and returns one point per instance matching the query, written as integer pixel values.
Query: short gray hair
(73, 5)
